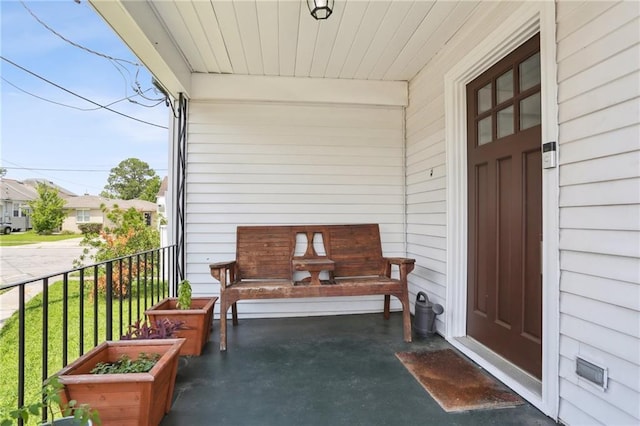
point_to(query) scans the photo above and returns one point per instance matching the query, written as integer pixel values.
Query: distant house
(62, 192)
(88, 209)
(161, 199)
(14, 202)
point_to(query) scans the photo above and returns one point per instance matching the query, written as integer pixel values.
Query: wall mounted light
(320, 9)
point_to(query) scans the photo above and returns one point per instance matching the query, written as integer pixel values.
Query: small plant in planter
(196, 314)
(184, 295)
(125, 364)
(158, 329)
(59, 413)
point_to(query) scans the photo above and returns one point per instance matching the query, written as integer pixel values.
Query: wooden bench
(267, 262)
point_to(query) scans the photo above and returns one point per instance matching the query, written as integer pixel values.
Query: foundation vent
(592, 372)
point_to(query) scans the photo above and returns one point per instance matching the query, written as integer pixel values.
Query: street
(21, 263)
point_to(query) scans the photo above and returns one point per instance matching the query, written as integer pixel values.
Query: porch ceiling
(387, 40)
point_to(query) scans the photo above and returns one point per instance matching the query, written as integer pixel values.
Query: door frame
(530, 18)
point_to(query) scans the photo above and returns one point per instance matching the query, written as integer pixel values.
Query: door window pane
(484, 131)
(484, 98)
(505, 122)
(530, 111)
(504, 87)
(530, 72)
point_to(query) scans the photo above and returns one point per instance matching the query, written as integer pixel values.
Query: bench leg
(234, 313)
(223, 327)
(387, 303)
(406, 318)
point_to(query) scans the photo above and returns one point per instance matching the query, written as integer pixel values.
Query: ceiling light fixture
(320, 9)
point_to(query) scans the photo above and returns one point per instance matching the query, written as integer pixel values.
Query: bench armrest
(405, 265)
(399, 260)
(222, 271)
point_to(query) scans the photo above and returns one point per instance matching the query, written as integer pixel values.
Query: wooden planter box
(197, 321)
(125, 399)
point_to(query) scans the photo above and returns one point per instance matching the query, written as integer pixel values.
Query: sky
(72, 148)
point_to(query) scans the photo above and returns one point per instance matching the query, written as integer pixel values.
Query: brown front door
(504, 300)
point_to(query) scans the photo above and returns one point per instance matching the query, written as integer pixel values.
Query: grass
(34, 337)
(31, 237)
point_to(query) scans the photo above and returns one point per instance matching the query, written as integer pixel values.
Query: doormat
(455, 383)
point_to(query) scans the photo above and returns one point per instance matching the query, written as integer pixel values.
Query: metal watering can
(424, 320)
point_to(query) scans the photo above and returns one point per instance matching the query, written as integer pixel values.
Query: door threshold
(524, 384)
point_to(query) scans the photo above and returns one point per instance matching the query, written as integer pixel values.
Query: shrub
(128, 235)
(90, 228)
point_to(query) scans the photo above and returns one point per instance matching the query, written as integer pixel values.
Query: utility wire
(84, 109)
(59, 170)
(116, 62)
(47, 177)
(72, 42)
(80, 96)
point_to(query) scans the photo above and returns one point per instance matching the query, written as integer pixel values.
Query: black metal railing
(61, 316)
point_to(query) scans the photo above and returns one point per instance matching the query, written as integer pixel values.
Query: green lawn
(34, 336)
(30, 237)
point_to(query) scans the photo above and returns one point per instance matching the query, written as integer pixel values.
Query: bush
(128, 235)
(90, 228)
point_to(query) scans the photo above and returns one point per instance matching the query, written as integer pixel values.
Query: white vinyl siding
(426, 155)
(598, 59)
(599, 156)
(253, 163)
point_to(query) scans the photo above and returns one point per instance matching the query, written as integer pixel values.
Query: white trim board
(531, 18)
(293, 89)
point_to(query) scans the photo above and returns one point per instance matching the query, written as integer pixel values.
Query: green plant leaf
(35, 409)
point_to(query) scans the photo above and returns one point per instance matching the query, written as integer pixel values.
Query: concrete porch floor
(337, 370)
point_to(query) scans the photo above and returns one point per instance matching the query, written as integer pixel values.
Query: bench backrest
(356, 250)
(265, 252)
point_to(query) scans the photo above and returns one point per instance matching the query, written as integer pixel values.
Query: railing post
(120, 296)
(65, 318)
(95, 305)
(130, 290)
(146, 274)
(21, 348)
(158, 282)
(45, 335)
(81, 314)
(109, 301)
(163, 264)
(138, 283)
(154, 282)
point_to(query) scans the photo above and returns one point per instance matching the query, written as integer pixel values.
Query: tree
(132, 179)
(151, 191)
(47, 211)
